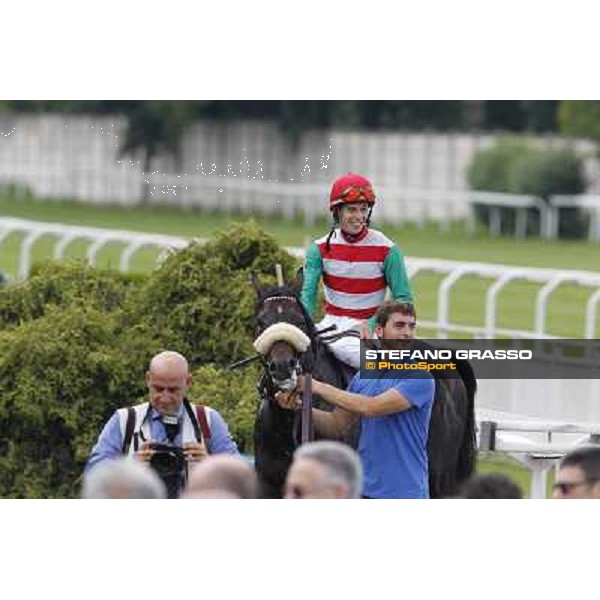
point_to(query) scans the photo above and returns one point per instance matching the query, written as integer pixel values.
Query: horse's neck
(329, 369)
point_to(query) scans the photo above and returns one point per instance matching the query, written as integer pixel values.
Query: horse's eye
(272, 368)
(292, 363)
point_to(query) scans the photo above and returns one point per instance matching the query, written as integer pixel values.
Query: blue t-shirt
(393, 448)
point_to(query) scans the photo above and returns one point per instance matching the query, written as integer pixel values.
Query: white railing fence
(520, 203)
(308, 200)
(551, 279)
(587, 202)
(452, 271)
(549, 212)
(66, 234)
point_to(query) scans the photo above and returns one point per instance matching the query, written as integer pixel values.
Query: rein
(244, 362)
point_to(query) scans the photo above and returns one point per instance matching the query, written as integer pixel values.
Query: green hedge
(200, 302)
(61, 375)
(513, 167)
(75, 344)
(491, 167)
(233, 394)
(490, 171)
(63, 284)
(544, 173)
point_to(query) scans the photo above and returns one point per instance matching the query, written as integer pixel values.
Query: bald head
(222, 473)
(169, 362)
(168, 379)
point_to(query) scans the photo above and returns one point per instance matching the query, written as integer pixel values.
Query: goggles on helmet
(355, 193)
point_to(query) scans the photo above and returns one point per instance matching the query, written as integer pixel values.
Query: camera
(171, 466)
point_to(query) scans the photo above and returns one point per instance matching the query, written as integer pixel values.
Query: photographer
(167, 432)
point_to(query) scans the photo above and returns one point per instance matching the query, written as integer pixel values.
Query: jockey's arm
(396, 278)
(389, 402)
(313, 269)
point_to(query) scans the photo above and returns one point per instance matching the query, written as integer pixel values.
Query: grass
(467, 300)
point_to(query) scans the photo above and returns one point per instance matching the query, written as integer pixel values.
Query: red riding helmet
(351, 188)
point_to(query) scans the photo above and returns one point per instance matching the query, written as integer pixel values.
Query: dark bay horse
(451, 445)
(277, 430)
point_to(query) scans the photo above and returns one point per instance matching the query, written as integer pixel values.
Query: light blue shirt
(110, 441)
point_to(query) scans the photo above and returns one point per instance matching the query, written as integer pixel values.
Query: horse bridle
(288, 298)
(303, 365)
(296, 368)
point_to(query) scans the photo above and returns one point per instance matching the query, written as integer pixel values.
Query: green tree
(516, 168)
(580, 118)
(541, 115)
(154, 127)
(544, 173)
(490, 167)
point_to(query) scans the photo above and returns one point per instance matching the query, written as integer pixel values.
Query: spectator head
(168, 379)
(222, 476)
(579, 474)
(324, 469)
(122, 478)
(490, 486)
(210, 495)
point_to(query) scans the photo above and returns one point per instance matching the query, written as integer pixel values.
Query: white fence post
(490, 301)
(25, 254)
(590, 315)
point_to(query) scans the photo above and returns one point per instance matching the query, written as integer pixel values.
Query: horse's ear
(296, 285)
(253, 280)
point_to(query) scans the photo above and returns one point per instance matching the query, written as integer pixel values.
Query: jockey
(357, 264)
